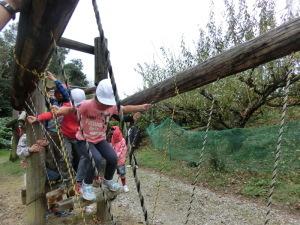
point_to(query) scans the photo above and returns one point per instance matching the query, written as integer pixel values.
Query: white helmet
(104, 93)
(78, 96)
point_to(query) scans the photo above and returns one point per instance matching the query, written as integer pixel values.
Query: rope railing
(115, 91)
(278, 149)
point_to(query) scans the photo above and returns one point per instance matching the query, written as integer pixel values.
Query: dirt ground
(171, 206)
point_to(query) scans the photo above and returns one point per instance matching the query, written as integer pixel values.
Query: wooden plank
(90, 90)
(75, 45)
(41, 22)
(35, 173)
(274, 44)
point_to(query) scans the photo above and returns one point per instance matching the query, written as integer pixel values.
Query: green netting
(250, 149)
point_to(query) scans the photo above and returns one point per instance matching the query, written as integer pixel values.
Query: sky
(135, 30)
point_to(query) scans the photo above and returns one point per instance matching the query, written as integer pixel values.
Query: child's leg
(111, 158)
(85, 169)
(121, 170)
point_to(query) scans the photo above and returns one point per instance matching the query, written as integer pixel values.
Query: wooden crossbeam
(274, 44)
(75, 45)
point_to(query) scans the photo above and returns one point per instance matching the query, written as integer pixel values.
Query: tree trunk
(15, 139)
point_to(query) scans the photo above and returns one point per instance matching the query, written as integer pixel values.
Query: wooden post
(41, 22)
(100, 63)
(35, 174)
(100, 74)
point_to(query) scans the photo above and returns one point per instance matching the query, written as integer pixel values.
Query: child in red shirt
(119, 144)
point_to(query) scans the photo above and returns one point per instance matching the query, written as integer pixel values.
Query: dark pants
(99, 150)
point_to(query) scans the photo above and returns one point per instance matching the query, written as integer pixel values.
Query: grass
(250, 185)
(8, 168)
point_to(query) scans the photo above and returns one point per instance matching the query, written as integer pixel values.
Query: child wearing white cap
(94, 116)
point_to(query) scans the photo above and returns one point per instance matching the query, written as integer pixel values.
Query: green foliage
(54, 65)
(74, 73)
(256, 187)
(239, 98)
(7, 43)
(8, 168)
(5, 133)
(7, 40)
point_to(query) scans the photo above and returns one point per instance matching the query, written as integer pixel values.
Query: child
(24, 151)
(69, 127)
(94, 115)
(119, 144)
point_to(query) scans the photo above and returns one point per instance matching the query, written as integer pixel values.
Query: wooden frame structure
(43, 21)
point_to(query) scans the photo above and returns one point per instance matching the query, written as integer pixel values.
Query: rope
(117, 99)
(114, 87)
(39, 75)
(163, 166)
(42, 160)
(133, 163)
(278, 150)
(91, 158)
(63, 151)
(192, 196)
(48, 136)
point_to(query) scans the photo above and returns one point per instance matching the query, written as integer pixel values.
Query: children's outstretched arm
(135, 108)
(64, 92)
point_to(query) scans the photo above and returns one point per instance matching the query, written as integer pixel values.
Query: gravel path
(173, 197)
(208, 207)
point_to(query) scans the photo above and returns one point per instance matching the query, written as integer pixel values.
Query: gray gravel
(208, 207)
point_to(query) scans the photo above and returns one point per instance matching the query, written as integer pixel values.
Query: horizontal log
(274, 44)
(41, 22)
(90, 90)
(75, 45)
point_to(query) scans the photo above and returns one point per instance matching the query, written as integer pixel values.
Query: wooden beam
(90, 90)
(274, 44)
(41, 22)
(75, 45)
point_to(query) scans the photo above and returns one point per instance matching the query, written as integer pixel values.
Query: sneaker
(125, 188)
(88, 192)
(78, 188)
(111, 185)
(89, 209)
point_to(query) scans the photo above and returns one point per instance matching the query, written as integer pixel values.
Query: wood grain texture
(41, 22)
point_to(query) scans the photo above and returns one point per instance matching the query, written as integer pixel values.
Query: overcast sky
(136, 29)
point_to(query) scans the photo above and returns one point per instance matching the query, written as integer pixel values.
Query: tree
(7, 40)
(238, 98)
(75, 74)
